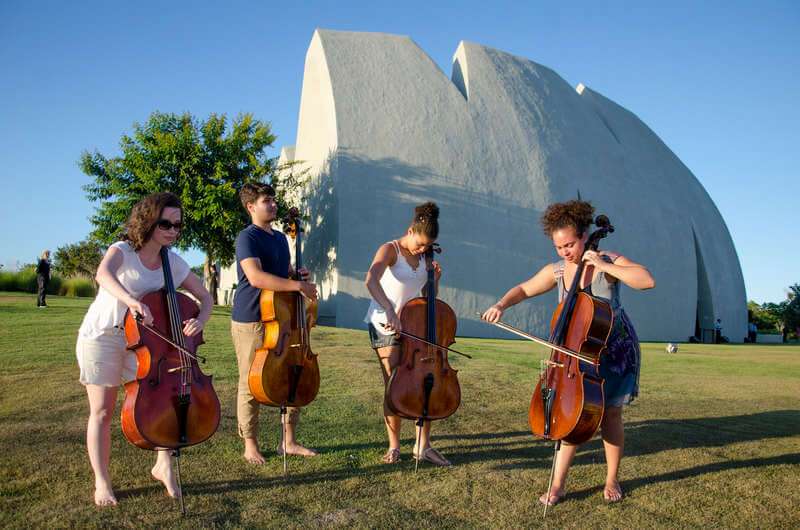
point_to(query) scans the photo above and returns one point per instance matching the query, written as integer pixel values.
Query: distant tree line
(782, 317)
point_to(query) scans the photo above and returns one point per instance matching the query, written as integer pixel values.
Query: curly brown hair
(577, 214)
(426, 220)
(144, 216)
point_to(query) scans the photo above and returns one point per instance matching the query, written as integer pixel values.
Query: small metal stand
(556, 447)
(420, 423)
(177, 454)
(283, 437)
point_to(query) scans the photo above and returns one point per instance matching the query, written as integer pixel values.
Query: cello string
(175, 324)
(175, 321)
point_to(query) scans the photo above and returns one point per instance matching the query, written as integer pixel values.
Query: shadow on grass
(520, 450)
(682, 474)
(653, 436)
(532, 454)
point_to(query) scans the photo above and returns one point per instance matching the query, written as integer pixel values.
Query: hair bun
(427, 212)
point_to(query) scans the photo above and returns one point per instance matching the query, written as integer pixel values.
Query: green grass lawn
(713, 441)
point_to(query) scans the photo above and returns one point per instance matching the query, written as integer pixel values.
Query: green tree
(204, 163)
(78, 259)
(764, 318)
(783, 316)
(791, 309)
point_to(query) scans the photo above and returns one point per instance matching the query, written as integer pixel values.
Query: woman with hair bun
(397, 275)
(567, 224)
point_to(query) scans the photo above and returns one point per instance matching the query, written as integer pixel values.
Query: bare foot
(612, 492)
(253, 456)
(251, 452)
(104, 496)
(164, 474)
(296, 449)
(555, 496)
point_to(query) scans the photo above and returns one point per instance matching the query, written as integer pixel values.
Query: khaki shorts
(104, 360)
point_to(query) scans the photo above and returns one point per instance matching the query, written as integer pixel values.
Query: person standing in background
(752, 331)
(43, 277)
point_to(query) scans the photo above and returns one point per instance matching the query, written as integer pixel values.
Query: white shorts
(104, 360)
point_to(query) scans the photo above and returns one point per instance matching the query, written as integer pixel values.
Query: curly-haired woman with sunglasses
(130, 269)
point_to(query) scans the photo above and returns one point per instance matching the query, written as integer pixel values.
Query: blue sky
(717, 81)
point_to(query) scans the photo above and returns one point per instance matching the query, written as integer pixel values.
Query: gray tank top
(601, 287)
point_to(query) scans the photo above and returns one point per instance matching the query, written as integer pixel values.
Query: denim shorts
(379, 340)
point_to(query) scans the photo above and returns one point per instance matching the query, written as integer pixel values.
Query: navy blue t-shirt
(273, 251)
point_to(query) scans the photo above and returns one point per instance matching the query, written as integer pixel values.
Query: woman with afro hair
(567, 224)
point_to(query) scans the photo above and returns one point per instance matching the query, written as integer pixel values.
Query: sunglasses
(165, 225)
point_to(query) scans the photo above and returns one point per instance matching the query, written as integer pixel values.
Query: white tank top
(401, 283)
(106, 311)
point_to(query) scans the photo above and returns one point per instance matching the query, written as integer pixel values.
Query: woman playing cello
(567, 224)
(397, 275)
(130, 269)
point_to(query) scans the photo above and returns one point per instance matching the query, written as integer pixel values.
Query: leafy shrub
(25, 281)
(54, 285)
(77, 287)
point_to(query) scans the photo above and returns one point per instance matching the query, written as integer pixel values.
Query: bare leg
(613, 443)
(424, 436)
(292, 447)
(251, 452)
(102, 400)
(389, 356)
(165, 472)
(563, 461)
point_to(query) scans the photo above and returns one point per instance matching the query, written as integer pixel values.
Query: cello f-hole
(154, 382)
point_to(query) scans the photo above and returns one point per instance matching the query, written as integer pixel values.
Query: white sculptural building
(383, 129)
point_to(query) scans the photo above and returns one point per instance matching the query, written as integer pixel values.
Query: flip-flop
(426, 456)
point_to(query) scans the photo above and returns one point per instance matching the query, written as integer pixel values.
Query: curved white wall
(383, 129)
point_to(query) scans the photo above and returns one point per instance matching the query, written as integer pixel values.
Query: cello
(170, 404)
(567, 403)
(423, 386)
(285, 372)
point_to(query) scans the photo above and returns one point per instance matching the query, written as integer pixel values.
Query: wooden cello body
(568, 402)
(423, 386)
(285, 371)
(576, 407)
(171, 403)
